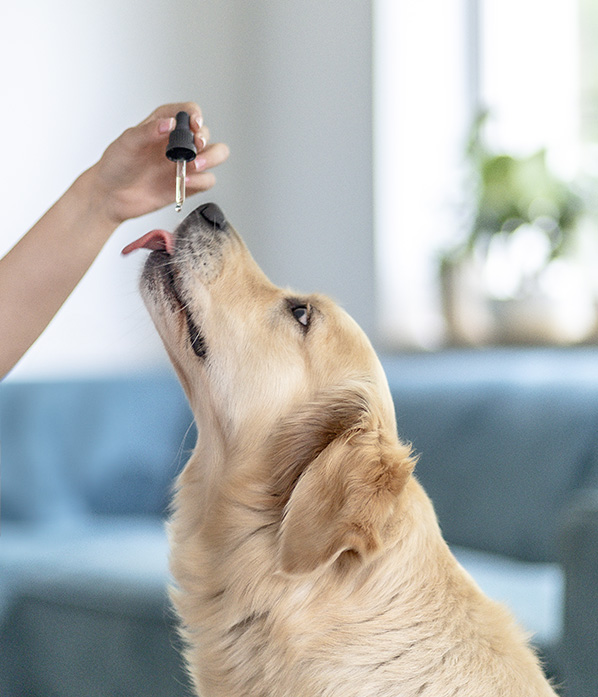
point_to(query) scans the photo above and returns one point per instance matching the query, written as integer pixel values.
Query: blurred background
(352, 172)
(430, 164)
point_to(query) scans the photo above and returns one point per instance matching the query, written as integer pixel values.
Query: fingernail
(166, 125)
(198, 121)
(200, 163)
(203, 142)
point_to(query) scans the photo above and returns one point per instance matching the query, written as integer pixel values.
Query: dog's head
(286, 379)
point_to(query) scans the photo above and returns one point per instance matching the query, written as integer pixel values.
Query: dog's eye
(301, 310)
(301, 314)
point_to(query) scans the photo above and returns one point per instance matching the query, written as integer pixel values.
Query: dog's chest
(302, 645)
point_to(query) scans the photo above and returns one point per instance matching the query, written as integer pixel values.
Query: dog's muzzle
(196, 242)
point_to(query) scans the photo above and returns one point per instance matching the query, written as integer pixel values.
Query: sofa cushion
(87, 605)
(504, 439)
(533, 591)
(92, 446)
(107, 557)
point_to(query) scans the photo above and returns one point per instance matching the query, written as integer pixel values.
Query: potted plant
(520, 240)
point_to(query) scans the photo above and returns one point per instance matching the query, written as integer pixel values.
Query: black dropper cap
(181, 145)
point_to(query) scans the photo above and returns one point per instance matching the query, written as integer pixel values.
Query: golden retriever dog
(307, 559)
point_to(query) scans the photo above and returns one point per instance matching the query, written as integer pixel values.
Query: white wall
(286, 84)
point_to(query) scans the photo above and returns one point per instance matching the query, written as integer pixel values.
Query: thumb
(149, 132)
(158, 129)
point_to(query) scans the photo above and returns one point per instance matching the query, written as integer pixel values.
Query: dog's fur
(308, 560)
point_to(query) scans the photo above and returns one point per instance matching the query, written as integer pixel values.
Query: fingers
(155, 130)
(202, 136)
(198, 178)
(211, 156)
(171, 110)
(201, 181)
(161, 122)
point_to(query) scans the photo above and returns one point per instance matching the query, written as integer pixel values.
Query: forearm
(43, 268)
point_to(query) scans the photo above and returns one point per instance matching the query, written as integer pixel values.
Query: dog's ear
(343, 477)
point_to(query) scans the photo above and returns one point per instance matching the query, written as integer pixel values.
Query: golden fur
(307, 558)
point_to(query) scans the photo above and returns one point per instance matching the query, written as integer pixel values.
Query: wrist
(94, 201)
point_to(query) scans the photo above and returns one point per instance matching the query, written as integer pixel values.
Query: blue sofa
(87, 468)
(508, 443)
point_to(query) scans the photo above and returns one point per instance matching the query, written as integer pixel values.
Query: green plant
(517, 190)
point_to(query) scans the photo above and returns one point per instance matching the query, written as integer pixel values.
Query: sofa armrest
(579, 549)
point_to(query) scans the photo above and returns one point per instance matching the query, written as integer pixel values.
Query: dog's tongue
(160, 240)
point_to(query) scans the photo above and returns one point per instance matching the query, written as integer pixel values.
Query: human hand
(134, 177)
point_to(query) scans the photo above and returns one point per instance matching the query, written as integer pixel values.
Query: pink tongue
(160, 240)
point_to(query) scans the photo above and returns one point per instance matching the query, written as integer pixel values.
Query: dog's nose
(213, 215)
